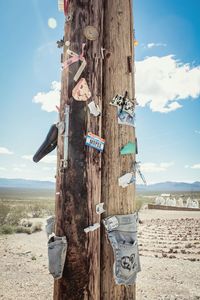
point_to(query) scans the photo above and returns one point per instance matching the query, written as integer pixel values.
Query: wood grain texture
(117, 78)
(80, 184)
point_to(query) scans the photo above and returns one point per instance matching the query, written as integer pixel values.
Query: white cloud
(153, 167)
(166, 165)
(2, 169)
(28, 157)
(50, 99)
(16, 169)
(49, 159)
(152, 45)
(4, 150)
(197, 131)
(46, 49)
(52, 23)
(196, 166)
(46, 169)
(162, 82)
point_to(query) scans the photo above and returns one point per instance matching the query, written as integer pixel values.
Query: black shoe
(48, 145)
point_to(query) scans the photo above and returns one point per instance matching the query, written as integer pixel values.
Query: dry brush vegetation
(18, 209)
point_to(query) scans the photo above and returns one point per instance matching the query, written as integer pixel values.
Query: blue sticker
(126, 119)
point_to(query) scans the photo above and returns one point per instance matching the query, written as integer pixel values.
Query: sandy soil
(169, 245)
(24, 271)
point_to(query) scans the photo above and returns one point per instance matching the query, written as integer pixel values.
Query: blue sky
(169, 142)
(167, 87)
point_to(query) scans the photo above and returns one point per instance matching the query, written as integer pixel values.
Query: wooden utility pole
(79, 184)
(118, 76)
(86, 179)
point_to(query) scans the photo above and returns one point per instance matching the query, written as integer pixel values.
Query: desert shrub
(41, 209)
(25, 223)
(7, 229)
(22, 229)
(15, 215)
(37, 227)
(4, 211)
(34, 228)
(36, 210)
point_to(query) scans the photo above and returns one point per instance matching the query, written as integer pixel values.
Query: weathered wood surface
(80, 184)
(117, 78)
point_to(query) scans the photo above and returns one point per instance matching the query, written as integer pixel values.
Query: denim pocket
(122, 234)
(127, 263)
(57, 248)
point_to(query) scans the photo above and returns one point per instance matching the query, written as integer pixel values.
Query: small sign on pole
(95, 141)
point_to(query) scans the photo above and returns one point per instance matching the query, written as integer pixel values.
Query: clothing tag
(126, 179)
(123, 103)
(92, 227)
(94, 109)
(126, 119)
(99, 208)
(80, 70)
(95, 141)
(81, 91)
(128, 149)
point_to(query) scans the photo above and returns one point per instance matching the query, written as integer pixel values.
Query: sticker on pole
(126, 180)
(124, 104)
(81, 91)
(126, 119)
(94, 109)
(95, 141)
(128, 149)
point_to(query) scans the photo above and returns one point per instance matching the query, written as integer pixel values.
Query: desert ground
(169, 244)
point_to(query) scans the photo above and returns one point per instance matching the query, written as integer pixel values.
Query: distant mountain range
(167, 186)
(28, 184)
(170, 186)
